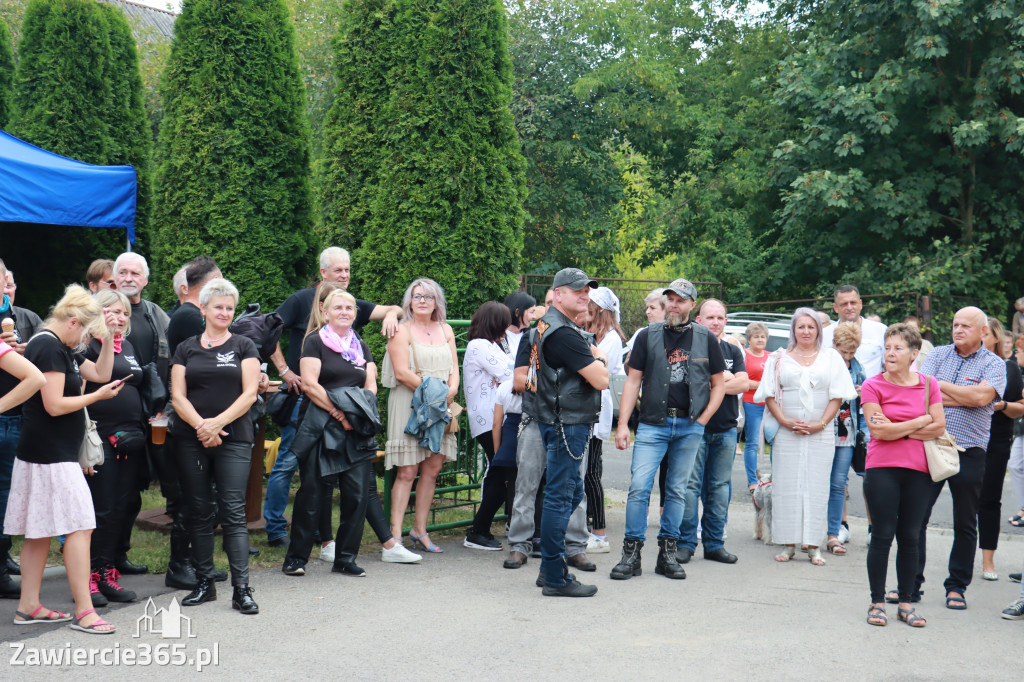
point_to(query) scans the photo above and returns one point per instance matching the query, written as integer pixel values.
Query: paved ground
(461, 616)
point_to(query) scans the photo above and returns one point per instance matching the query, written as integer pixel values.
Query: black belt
(676, 412)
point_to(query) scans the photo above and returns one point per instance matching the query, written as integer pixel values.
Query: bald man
(971, 379)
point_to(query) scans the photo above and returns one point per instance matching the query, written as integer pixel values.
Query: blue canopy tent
(37, 186)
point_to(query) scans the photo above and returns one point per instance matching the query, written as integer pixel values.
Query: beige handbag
(942, 453)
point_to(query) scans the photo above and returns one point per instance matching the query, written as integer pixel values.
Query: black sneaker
(110, 588)
(294, 567)
(536, 549)
(348, 568)
(570, 589)
(98, 599)
(1014, 577)
(475, 540)
(1014, 611)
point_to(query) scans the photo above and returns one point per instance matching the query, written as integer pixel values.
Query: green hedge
(233, 152)
(6, 74)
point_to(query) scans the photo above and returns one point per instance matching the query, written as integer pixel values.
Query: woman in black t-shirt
(49, 495)
(214, 380)
(115, 486)
(332, 357)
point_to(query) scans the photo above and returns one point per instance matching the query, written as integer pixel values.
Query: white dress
(802, 465)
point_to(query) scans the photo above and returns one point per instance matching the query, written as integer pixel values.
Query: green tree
(232, 180)
(444, 196)
(572, 181)
(907, 171)
(6, 74)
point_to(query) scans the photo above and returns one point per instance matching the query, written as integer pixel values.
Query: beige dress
(401, 448)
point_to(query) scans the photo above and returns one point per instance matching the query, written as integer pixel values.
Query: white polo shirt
(872, 345)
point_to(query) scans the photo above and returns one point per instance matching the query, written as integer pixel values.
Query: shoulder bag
(942, 453)
(90, 453)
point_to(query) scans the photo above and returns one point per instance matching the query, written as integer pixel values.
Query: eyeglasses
(422, 297)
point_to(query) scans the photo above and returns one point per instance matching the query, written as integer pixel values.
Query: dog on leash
(762, 497)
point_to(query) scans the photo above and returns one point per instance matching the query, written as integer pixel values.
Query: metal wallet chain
(561, 430)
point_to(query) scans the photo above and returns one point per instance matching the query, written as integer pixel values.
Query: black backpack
(264, 330)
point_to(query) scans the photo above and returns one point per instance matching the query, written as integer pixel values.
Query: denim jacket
(429, 413)
(857, 375)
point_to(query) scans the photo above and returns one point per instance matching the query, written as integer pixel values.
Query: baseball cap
(574, 278)
(684, 288)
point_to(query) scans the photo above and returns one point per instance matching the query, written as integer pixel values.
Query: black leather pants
(309, 509)
(227, 466)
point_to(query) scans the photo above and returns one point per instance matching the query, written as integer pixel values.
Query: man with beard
(680, 367)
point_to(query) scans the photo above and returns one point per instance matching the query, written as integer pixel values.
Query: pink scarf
(118, 338)
(349, 346)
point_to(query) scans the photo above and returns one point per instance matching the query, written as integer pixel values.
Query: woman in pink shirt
(896, 481)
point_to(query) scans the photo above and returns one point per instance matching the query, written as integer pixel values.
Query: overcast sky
(162, 4)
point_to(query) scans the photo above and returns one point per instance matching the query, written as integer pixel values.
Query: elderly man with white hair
(972, 380)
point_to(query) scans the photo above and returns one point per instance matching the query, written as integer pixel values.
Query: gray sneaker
(1014, 611)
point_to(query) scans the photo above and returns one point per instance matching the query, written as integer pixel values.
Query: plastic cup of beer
(159, 425)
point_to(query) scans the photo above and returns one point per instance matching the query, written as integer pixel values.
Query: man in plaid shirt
(971, 378)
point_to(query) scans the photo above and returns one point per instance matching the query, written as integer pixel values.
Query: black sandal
(957, 603)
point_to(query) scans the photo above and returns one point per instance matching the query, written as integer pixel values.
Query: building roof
(142, 17)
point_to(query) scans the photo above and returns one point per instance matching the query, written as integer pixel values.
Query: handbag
(90, 452)
(860, 453)
(942, 453)
(454, 410)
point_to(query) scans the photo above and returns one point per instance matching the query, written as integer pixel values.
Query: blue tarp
(37, 186)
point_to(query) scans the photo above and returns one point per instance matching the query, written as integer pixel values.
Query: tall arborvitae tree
(6, 74)
(440, 178)
(129, 136)
(233, 154)
(65, 105)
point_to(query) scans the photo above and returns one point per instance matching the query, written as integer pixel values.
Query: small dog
(762, 497)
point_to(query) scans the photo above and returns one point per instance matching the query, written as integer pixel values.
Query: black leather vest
(558, 395)
(654, 406)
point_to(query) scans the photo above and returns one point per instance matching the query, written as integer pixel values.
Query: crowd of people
(172, 397)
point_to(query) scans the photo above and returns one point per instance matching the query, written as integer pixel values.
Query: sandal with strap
(31, 619)
(785, 555)
(1017, 520)
(418, 540)
(836, 547)
(957, 603)
(910, 617)
(815, 556)
(876, 616)
(98, 627)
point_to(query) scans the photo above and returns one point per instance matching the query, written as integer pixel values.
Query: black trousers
(116, 499)
(592, 484)
(498, 488)
(965, 488)
(309, 512)
(227, 466)
(375, 510)
(990, 503)
(168, 465)
(898, 499)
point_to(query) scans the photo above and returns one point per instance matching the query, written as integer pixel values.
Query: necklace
(806, 356)
(425, 330)
(210, 342)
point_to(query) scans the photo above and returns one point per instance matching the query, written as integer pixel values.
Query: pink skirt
(48, 500)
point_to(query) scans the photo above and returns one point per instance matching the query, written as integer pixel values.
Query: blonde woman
(846, 340)
(422, 348)
(49, 495)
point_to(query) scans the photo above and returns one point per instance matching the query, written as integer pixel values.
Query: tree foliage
(232, 180)
(429, 171)
(909, 156)
(6, 74)
(78, 94)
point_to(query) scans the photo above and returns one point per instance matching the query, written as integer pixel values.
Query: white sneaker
(844, 535)
(327, 552)
(596, 545)
(398, 555)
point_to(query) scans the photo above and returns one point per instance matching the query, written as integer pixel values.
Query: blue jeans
(678, 439)
(10, 434)
(710, 478)
(751, 434)
(837, 489)
(279, 482)
(562, 494)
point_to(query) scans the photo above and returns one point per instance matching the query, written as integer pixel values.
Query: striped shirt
(968, 425)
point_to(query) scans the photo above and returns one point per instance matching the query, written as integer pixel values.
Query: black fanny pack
(128, 442)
